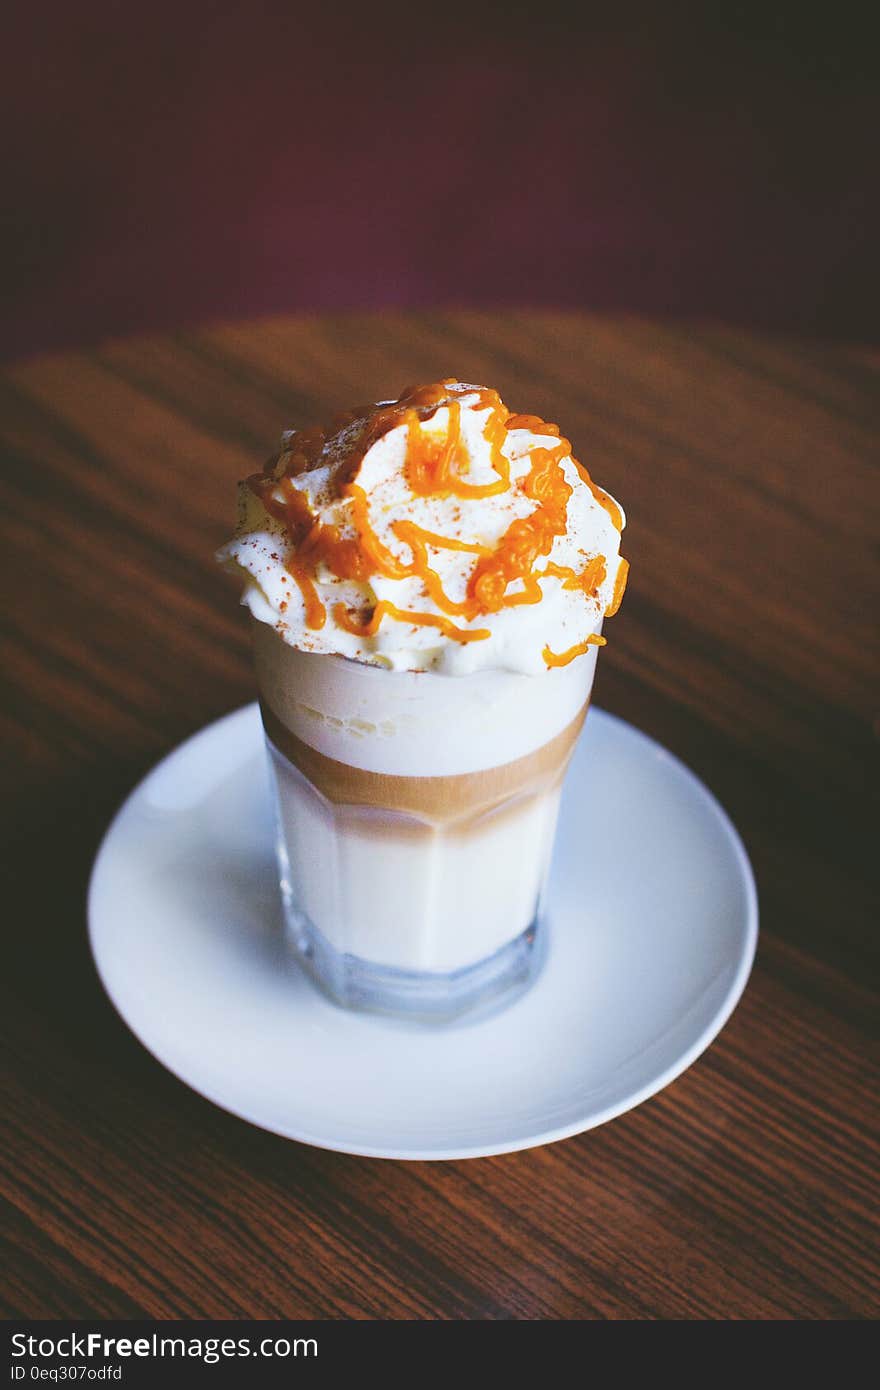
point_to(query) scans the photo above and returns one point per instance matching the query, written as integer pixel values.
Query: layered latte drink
(428, 580)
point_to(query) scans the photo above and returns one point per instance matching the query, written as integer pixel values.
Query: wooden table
(744, 644)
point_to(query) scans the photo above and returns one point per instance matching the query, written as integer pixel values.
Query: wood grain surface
(746, 643)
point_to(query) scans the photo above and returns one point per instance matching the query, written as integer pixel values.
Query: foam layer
(416, 724)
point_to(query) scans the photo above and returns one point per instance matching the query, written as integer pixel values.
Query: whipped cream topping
(436, 532)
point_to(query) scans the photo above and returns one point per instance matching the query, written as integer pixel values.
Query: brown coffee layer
(438, 800)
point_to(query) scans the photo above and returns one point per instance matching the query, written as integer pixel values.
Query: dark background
(172, 163)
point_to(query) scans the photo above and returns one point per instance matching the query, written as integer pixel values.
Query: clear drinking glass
(415, 822)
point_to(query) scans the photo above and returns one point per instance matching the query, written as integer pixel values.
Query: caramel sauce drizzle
(409, 532)
(619, 587)
(563, 658)
(526, 538)
(431, 463)
(435, 467)
(316, 613)
(369, 629)
(590, 578)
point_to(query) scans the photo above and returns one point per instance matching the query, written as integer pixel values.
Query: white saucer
(653, 917)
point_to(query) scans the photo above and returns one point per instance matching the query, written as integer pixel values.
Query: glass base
(474, 990)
